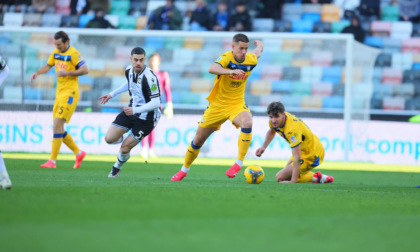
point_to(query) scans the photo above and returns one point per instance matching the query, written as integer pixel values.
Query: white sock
(122, 158)
(314, 179)
(3, 171)
(53, 161)
(239, 162)
(324, 177)
(185, 169)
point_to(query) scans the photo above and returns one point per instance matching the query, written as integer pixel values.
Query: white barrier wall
(386, 142)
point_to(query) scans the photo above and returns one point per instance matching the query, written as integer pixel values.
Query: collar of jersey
(144, 68)
(237, 60)
(66, 49)
(284, 123)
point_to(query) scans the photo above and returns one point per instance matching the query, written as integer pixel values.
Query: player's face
(154, 63)
(277, 119)
(239, 50)
(138, 62)
(60, 45)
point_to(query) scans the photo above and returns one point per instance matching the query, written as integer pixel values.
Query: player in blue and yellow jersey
(68, 64)
(227, 102)
(307, 150)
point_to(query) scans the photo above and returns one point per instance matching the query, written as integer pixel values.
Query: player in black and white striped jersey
(141, 115)
(5, 182)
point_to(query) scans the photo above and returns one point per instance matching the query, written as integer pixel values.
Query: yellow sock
(56, 144)
(191, 155)
(244, 141)
(305, 178)
(68, 140)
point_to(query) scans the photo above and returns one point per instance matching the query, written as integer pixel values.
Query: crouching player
(307, 150)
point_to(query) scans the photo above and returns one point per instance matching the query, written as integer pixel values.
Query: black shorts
(139, 128)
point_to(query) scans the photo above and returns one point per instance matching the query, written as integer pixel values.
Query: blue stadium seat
(332, 74)
(333, 102)
(314, 17)
(416, 66)
(376, 103)
(373, 41)
(84, 19)
(302, 26)
(281, 87)
(154, 42)
(32, 93)
(110, 110)
(176, 97)
(322, 27)
(69, 21)
(86, 80)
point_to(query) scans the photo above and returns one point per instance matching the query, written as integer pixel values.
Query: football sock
(56, 144)
(185, 169)
(122, 158)
(191, 155)
(244, 141)
(308, 177)
(3, 171)
(68, 140)
(239, 162)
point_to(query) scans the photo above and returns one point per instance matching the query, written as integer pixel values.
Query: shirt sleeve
(294, 137)
(223, 60)
(153, 85)
(77, 60)
(51, 61)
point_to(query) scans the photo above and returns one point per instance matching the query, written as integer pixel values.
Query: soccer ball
(254, 174)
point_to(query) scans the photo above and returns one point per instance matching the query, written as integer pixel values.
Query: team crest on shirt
(139, 80)
(219, 58)
(293, 139)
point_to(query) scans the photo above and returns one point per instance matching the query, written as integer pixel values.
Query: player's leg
(5, 182)
(244, 121)
(285, 173)
(315, 162)
(58, 134)
(123, 155)
(152, 138)
(115, 133)
(193, 150)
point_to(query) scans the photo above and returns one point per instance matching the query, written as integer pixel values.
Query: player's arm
(105, 98)
(259, 49)
(217, 69)
(45, 68)
(296, 153)
(153, 104)
(80, 71)
(268, 138)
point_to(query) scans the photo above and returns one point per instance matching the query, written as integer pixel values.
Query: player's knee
(108, 140)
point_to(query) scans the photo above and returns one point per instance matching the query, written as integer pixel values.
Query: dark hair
(138, 50)
(275, 107)
(240, 37)
(62, 35)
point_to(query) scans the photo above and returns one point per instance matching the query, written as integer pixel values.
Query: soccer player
(227, 101)
(5, 182)
(141, 115)
(148, 143)
(68, 65)
(307, 150)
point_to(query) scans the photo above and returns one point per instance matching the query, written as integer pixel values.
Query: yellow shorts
(215, 116)
(311, 161)
(64, 106)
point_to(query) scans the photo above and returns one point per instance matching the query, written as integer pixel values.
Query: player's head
(138, 58)
(275, 111)
(240, 44)
(61, 41)
(154, 61)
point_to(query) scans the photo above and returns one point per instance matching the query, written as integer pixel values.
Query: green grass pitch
(82, 210)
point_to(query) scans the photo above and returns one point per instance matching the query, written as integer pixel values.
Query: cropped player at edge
(307, 150)
(68, 65)
(227, 102)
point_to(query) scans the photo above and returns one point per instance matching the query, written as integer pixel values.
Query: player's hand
(128, 111)
(105, 98)
(260, 151)
(257, 42)
(169, 110)
(237, 72)
(62, 73)
(33, 76)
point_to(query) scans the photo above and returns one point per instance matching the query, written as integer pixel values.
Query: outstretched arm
(268, 138)
(45, 68)
(259, 49)
(105, 98)
(217, 69)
